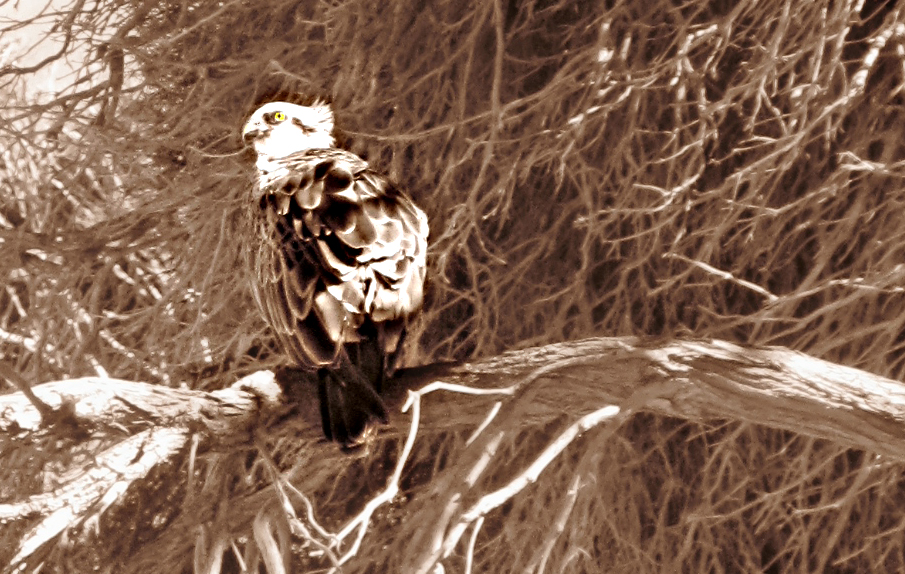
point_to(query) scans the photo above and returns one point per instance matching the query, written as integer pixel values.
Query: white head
(279, 129)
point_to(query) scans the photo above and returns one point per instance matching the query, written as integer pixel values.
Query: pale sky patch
(28, 45)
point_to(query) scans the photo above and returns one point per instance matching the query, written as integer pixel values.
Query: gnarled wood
(697, 380)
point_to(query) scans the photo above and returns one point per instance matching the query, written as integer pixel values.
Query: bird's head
(279, 129)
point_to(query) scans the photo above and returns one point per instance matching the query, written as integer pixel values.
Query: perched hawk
(339, 264)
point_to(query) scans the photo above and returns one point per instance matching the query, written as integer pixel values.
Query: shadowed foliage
(730, 170)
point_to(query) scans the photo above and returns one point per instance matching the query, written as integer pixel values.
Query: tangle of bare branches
(719, 170)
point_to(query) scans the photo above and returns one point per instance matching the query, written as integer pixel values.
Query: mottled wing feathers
(342, 248)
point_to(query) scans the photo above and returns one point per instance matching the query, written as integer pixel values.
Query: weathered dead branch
(587, 382)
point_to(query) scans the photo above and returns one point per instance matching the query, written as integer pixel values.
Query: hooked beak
(251, 132)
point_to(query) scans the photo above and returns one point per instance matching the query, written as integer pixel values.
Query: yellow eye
(279, 116)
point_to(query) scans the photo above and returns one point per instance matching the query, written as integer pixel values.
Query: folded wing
(343, 255)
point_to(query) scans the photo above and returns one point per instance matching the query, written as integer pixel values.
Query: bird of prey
(339, 264)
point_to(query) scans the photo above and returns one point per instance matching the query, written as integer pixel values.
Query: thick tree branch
(696, 380)
(110, 402)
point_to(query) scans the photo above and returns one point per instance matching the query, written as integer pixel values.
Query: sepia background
(715, 169)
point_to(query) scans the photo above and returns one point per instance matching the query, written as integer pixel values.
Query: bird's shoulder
(337, 180)
(336, 156)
